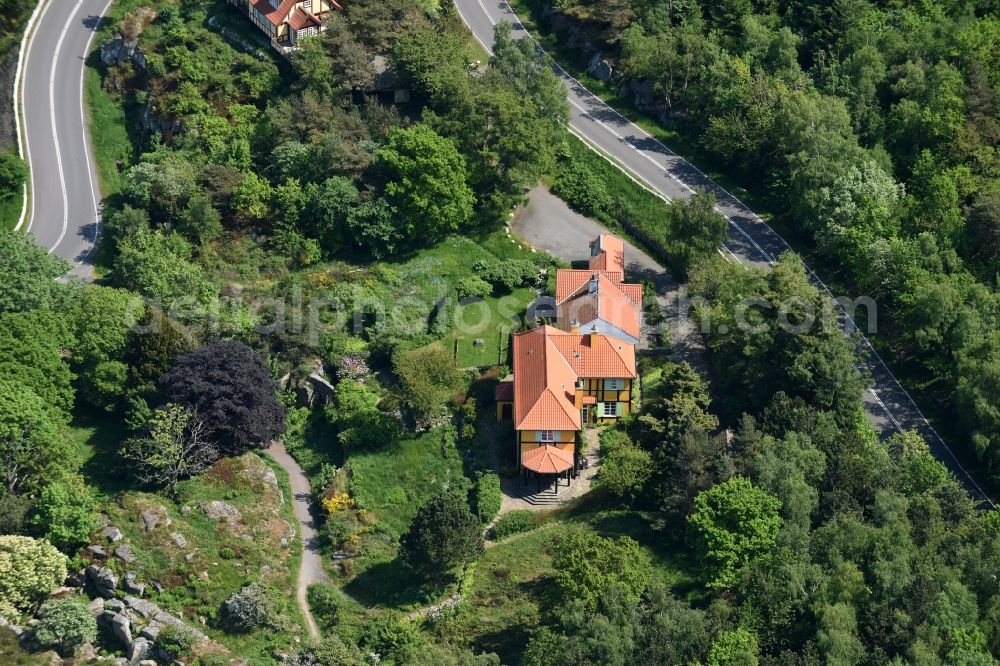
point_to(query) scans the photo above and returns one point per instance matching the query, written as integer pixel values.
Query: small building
(563, 381)
(597, 297)
(285, 22)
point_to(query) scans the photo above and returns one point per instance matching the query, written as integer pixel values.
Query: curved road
(65, 194)
(750, 241)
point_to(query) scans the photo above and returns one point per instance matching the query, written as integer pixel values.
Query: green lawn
(390, 484)
(431, 275)
(513, 591)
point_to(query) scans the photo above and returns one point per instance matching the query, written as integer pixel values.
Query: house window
(579, 383)
(307, 5)
(546, 436)
(610, 409)
(614, 384)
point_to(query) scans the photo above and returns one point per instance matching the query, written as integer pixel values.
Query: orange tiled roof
(300, 19)
(569, 280)
(547, 459)
(275, 15)
(607, 253)
(547, 363)
(633, 291)
(596, 357)
(544, 384)
(603, 300)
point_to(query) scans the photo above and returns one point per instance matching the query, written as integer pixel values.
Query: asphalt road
(750, 241)
(65, 194)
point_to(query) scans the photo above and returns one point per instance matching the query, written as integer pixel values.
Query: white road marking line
(31, 172)
(22, 135)
(740, 203)
(55, 129)
(86, 141)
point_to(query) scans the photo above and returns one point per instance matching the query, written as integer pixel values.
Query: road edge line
(18, 128)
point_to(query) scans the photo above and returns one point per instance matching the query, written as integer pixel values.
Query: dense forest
(747, 515)
(870, 128)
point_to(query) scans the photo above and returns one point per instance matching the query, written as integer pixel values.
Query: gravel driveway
(548, 224)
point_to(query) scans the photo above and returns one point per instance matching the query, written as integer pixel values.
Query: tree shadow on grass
(391, 585)
(97, 438)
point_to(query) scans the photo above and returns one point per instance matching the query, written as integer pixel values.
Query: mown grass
(430, 277)
(390, 484)
(513, 592)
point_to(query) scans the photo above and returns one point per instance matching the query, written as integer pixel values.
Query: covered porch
(548, 468)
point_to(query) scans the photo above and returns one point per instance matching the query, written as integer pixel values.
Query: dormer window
(307, 5)
(579, 383)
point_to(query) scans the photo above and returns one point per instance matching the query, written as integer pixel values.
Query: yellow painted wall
(561, 436)
(500, 406)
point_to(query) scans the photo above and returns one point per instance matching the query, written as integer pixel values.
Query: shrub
(488, 497)
(514, 522)
(176, 641)
(506, 274)
(325, 601)
(13, 173)
(29, 569)
(467, 414)
(473, 286)
(250, 608)
(583, 189)
(65, 624)
(339, 527)
(588, 565)
(65, 513)
(442, 534)
(612, 439)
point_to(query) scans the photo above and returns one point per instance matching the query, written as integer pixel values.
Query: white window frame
(613, 410)
(547, 436)
(307, 5)
(614, 384)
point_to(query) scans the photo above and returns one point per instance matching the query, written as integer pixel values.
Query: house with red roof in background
(285, 22)
(568, 377)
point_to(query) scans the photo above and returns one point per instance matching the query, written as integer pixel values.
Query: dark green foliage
(488, 497)
(13, 174)
(513, 522)
(443, 534)
(584, 189)
(27, 273)
(506, 274)
(230, 387)
(65, 624)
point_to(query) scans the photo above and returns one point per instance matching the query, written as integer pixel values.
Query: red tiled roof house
(287, 21)
(562, 381)
(597, 299)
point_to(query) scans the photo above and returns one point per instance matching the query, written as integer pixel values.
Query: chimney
(593, 335)
(592, 287)
(574, 326)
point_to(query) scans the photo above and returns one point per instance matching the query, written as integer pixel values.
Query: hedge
(488, 497)
(515, 522)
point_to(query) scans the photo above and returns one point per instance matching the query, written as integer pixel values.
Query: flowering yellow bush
(29, 570)
(338, 502)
